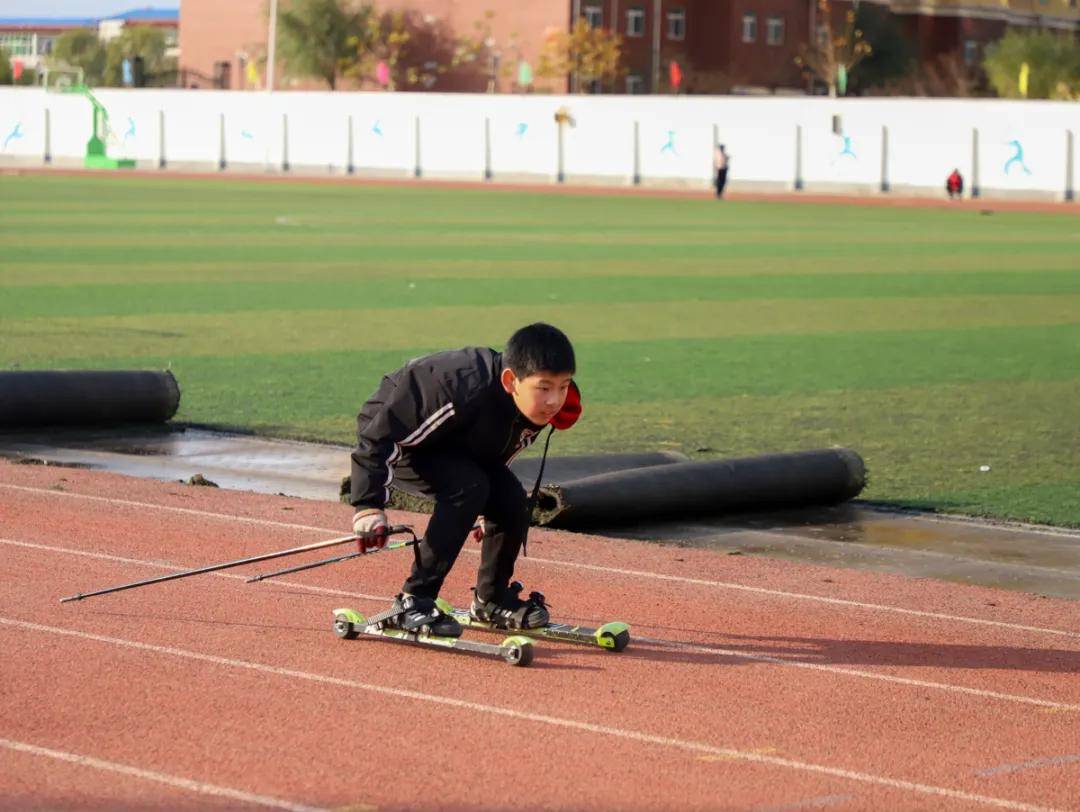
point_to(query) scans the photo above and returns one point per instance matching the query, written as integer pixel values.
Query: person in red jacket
(954, 185)
(446, 426)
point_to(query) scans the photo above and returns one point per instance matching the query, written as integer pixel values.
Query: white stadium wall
(1016, 148)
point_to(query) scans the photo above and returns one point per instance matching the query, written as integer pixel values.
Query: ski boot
(416, 615)
(511, 612)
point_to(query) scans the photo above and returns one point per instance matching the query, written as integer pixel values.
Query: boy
(447, 426)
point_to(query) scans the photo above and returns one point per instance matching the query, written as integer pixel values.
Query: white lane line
(199, 787)
(575, 565)
(1029, 765)
(831, 669)
(554, 721)
(854, 672)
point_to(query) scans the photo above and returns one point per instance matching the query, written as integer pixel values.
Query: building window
(676, 23)
(635, 22)
(17, 44)
(774, 30)
(634, 84)
(594, 16)
(971, 52)
(749, 28)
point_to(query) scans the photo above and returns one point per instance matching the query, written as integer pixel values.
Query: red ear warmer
(571, 410)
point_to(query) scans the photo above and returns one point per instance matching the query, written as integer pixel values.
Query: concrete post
(798, 158)
(221, 141)
(416, 145)
(1070, 165)
(637, 153)
(161, 139)
(284, 142)
(975, 192)
(350, 168)
(487, 148)
(561, 174)
(47, 156)
(884, 158)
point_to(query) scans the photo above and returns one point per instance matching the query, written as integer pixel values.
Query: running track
(751, 683)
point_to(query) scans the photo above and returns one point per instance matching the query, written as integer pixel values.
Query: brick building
(719, 45)
(30, 39)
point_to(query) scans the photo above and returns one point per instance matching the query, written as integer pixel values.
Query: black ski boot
(419, 615)
(510, 611)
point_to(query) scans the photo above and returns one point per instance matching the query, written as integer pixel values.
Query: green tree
(892, 56)
(140, 40)
(1053, 61)
(5, 68)
(832, 58)
(584, 53)
(81, 48)
(322, 38)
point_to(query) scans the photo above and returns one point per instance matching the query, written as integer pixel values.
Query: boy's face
(539, 397)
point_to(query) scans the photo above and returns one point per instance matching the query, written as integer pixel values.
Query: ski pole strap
(536, 492)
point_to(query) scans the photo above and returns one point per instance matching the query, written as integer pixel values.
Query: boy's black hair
(539, 348)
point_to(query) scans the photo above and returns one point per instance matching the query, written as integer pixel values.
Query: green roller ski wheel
(613, 636)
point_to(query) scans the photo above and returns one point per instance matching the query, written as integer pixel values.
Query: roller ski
(419, 621)
(530, 617)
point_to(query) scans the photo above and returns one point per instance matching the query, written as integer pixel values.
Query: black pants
(464, 489)
(721, 181)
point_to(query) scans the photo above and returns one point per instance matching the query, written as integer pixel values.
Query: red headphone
(571, 410)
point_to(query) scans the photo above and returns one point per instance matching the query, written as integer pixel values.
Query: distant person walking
(954, 184)
(721, 160)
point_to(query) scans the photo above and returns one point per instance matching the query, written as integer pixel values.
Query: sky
(77, 8)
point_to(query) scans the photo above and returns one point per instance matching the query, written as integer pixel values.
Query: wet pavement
(1041, 560)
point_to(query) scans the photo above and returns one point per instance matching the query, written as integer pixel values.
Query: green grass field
(932, 342)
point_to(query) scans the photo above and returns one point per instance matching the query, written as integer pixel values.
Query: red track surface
(984, 205)
(775, 686)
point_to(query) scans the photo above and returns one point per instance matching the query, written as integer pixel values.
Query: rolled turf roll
(86, 397)
(703, 488)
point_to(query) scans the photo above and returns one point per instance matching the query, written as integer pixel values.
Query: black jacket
(452, 401)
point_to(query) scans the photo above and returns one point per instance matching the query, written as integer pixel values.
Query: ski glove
(370, 526)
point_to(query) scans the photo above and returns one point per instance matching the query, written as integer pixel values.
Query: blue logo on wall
(15, 133)
(1017, 158)
(247, 135)
(377, 128)
(669, 146)
(521, 128)
(131, 129)
(847, 150)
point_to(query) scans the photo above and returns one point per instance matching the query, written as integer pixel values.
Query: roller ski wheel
(518, 651)
(613, 636)
(343, 624)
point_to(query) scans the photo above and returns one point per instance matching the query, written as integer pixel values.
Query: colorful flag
(1022, 83)
(841, 80)
(675, 74)
(16, 69)
(251, 73)
(525, 74)
(382, 73)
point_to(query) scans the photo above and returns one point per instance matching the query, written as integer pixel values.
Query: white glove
(367, 524)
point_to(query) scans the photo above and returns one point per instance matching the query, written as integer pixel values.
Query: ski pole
(334, 560)
(319, 545)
